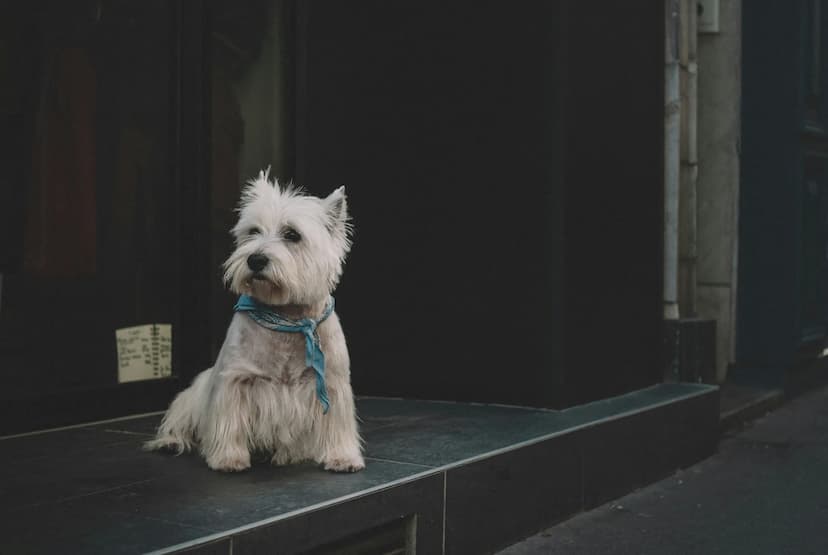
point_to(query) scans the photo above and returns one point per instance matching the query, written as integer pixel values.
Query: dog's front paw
(344, 464)
(229, 462)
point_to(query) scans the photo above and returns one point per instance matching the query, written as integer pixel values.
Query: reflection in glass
(251, 126)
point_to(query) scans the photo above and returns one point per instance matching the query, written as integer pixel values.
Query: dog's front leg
(224, 433)
(340, 444)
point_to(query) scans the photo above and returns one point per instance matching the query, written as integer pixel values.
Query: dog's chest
(279, 356)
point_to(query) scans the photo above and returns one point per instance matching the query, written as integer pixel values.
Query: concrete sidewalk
(765, 492)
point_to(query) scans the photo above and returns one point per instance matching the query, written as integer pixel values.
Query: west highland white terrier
(281, 382)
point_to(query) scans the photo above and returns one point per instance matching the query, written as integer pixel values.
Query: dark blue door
(783, 234)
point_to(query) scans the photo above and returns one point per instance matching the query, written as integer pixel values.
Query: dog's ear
(336, 210)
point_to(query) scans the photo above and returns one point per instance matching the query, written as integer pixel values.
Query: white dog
(281, 383)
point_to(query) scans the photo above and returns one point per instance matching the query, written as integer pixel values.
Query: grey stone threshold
(447, 477)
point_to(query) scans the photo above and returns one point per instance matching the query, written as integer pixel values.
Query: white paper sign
(144, 352)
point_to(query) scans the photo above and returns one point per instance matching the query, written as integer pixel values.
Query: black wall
(614, 196)
(503, 164)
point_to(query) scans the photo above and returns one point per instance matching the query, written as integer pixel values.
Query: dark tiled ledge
(477, 477)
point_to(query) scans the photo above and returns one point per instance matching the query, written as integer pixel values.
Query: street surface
(764, 493)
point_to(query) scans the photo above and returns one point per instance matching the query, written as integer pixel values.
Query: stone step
(441, 478)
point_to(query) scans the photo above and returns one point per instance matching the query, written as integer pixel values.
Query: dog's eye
(254, 231)
(291, 235)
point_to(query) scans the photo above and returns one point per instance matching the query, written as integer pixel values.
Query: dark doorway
(782, 311)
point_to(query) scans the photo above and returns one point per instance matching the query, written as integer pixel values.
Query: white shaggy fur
(260, 395)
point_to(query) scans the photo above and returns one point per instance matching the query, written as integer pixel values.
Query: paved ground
(764, 493)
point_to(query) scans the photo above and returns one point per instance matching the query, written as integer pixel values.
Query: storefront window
(128, 131)
(89, 215)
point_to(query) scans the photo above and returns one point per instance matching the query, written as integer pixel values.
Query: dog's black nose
(256, 262)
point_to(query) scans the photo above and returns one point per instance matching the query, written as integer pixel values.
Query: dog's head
(290, 247)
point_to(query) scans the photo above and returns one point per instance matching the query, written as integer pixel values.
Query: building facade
(508, 244)
(503, 301)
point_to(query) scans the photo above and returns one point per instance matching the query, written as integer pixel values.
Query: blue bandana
(265, 316)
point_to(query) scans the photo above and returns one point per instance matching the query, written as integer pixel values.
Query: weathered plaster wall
(719, 123)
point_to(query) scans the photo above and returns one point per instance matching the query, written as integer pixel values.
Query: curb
(756, 407)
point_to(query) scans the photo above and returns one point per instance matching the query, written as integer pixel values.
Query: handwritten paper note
(144, 352)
